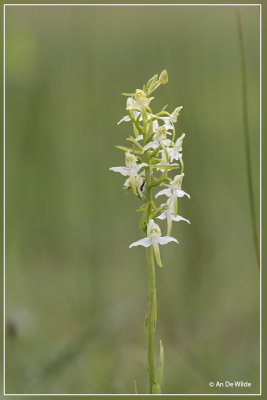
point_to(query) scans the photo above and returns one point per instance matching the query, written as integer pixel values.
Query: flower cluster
(152, 154)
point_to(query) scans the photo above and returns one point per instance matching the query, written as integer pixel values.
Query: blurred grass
(75, 294)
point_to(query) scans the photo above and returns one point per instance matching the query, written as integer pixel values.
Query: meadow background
(76, 295)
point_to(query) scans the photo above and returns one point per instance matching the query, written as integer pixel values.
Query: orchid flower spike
(151, 158)
(154, 238)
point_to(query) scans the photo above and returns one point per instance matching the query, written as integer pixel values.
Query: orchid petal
(122, 170)
(163, 215)
(146, 242)
(152, 145)
(179, 218)
(167, 192)
(126, 118)
(181, 193)
(167, 239)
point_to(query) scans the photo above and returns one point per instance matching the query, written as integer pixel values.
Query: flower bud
(163, 78)
(176, 113)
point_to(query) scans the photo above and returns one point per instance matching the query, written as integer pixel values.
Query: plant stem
(151, 280)
(151, 316)
(246, 137)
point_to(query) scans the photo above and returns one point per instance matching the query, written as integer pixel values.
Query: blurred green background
(76, 295)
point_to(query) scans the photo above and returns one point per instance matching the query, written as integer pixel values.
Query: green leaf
(135, 387)
(159, 372)
(156, 389)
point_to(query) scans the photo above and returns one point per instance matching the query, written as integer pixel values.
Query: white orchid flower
(139, 183)
(174, 191)
(159, 139)
(131, 105)
(175, 151)
(130, 170)
(164, 161)
(168, 214)
(154, 238)
(174, 188)
(141, 100)
(172, 119)
(155, 127)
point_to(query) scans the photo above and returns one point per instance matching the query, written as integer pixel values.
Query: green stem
(151, 316)
(151, 281)
(246, 137)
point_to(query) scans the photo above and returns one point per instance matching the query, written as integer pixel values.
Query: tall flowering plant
(152, 156)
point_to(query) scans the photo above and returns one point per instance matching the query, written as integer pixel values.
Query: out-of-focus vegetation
(75, 293)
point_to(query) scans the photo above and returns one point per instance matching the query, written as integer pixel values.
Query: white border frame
(132, 5)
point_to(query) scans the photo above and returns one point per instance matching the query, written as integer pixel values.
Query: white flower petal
(135, 115)
(167, 239)
(166, 142)
(163, 215)
(126, 118)
(146, 242)
(167, 192)
(140, 137)
(152, 145)
(122, 170)
(179, 218)
(139, 166)
(181, 193)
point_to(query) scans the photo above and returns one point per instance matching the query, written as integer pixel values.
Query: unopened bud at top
(163, 78)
